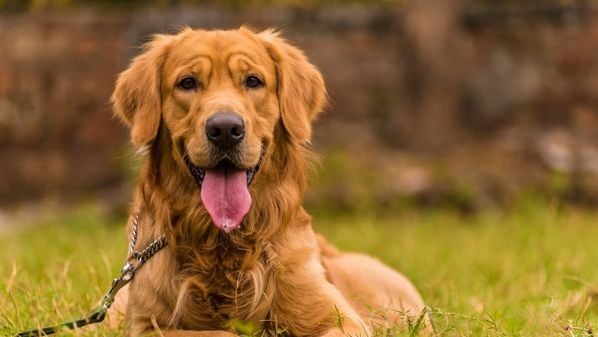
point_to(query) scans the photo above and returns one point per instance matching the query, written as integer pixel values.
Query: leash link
(127, 273)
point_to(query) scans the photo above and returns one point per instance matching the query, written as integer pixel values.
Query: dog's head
(228, 101)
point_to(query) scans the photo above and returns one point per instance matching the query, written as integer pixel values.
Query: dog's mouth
(200, 173)
(224, 191)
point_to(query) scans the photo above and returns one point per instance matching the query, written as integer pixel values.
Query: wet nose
(225, 129)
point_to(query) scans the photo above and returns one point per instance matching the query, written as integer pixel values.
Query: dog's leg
(117, 311)
(382, 296)
(306, 304)
(324, 310)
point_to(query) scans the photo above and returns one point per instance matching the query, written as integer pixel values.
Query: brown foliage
(419, 89)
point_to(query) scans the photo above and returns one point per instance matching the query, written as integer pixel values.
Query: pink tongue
(225, 196)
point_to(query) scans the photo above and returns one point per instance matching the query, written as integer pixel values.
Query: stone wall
(434, 102)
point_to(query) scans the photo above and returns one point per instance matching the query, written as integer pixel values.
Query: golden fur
(273, 271)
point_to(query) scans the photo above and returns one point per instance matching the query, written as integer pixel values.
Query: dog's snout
(225, 129)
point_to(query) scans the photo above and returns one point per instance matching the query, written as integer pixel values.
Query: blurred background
(435, 103)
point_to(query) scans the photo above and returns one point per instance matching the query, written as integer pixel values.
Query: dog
(223, 120)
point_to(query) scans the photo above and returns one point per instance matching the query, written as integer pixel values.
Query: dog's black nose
(225, 129)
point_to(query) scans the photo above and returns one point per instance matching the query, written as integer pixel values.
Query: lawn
(532, 271)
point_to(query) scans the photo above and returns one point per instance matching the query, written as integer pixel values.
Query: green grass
(532, 271)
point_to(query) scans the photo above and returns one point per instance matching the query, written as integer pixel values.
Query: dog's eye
(187, 83)
(253, 82)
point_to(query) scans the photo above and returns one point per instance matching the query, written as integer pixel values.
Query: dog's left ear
(301, 90)
(136, 98)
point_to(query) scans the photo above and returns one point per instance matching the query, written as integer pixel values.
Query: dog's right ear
(136, 98)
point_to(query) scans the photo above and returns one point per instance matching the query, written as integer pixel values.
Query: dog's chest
(232, 290)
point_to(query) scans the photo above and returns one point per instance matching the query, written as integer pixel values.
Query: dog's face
(221, 95)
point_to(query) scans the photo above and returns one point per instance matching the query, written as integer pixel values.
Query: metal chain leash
(133, 240)
(135, 260)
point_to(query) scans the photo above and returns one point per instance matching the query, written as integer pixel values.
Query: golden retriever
(224, 121)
